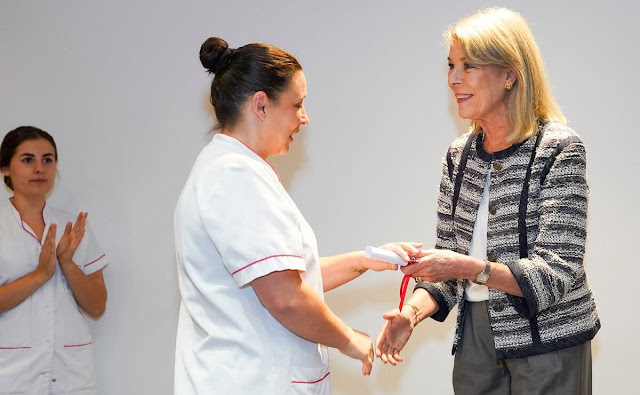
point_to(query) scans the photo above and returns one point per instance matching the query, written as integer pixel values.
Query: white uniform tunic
(234, 222)
(45, 344)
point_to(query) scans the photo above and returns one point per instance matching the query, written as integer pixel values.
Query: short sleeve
(89, 256)
(250, 218)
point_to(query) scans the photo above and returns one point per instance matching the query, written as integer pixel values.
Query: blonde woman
(511, 227)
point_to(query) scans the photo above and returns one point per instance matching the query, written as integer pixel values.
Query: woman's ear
(259, 102)
(511, 76)
(5, 170)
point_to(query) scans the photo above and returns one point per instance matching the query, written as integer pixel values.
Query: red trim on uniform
(311, 382)
(14, 348)
(92, 262)
(77, 345)
(263, 259)
(27, 230)
(251, 149)
(22, 222)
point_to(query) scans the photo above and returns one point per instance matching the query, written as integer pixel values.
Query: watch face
(483, 278)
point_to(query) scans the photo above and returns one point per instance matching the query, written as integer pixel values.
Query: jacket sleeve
(556, 259)
(444, 292)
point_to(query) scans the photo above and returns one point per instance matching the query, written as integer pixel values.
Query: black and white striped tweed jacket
(538, 198)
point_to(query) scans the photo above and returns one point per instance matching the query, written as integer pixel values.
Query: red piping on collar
(22, 222)
(242, 142)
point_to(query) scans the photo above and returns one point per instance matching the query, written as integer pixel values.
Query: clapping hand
(46, 261)
(70, 239)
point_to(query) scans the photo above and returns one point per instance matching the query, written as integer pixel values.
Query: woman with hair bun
(47, 278)
(512, 219)
(253, 318)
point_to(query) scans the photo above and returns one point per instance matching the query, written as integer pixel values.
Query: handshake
(422, 265)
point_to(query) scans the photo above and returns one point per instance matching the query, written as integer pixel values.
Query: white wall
(120, 87)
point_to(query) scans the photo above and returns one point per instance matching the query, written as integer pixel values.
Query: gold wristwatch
(484, 275)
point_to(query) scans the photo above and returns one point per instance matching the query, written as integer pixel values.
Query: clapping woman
(50, 277)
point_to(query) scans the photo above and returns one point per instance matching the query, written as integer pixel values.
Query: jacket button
(492, 209)
(497, 165)
(491, 257)
(498, 308)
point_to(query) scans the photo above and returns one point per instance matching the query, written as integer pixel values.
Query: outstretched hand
(360, 347)
(393, 336)
(406, 250)
(71, 238)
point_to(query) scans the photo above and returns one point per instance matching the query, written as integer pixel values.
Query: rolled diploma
(384, 255)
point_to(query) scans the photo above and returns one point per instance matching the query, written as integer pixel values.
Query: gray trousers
(478, 371)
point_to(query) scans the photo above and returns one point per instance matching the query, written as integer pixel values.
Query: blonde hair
(502, 38)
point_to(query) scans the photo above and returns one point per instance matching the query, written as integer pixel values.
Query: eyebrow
(32, 155)
(462, 58)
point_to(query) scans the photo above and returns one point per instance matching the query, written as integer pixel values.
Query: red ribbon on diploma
(403, 289)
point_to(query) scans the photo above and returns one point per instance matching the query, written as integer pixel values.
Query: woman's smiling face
(287, 114)
(479, 89)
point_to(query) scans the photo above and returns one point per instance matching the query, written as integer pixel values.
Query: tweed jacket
(538, 198)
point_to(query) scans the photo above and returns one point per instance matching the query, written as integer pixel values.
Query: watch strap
(484, 275)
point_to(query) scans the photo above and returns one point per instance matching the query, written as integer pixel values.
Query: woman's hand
(16, 292)
(47, 259)
(70, 239)
(442, 265)
(406, 250)
(360, 347)
(393, 336)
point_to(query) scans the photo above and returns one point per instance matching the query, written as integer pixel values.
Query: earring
(508, 85)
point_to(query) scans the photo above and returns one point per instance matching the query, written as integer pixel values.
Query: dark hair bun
(215, 54)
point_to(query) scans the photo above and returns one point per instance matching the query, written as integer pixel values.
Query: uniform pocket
(15, 326)
(310, 380)
(74, 348)
(15, 348)
(77, 368)
(73, 329)
(15, 365)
